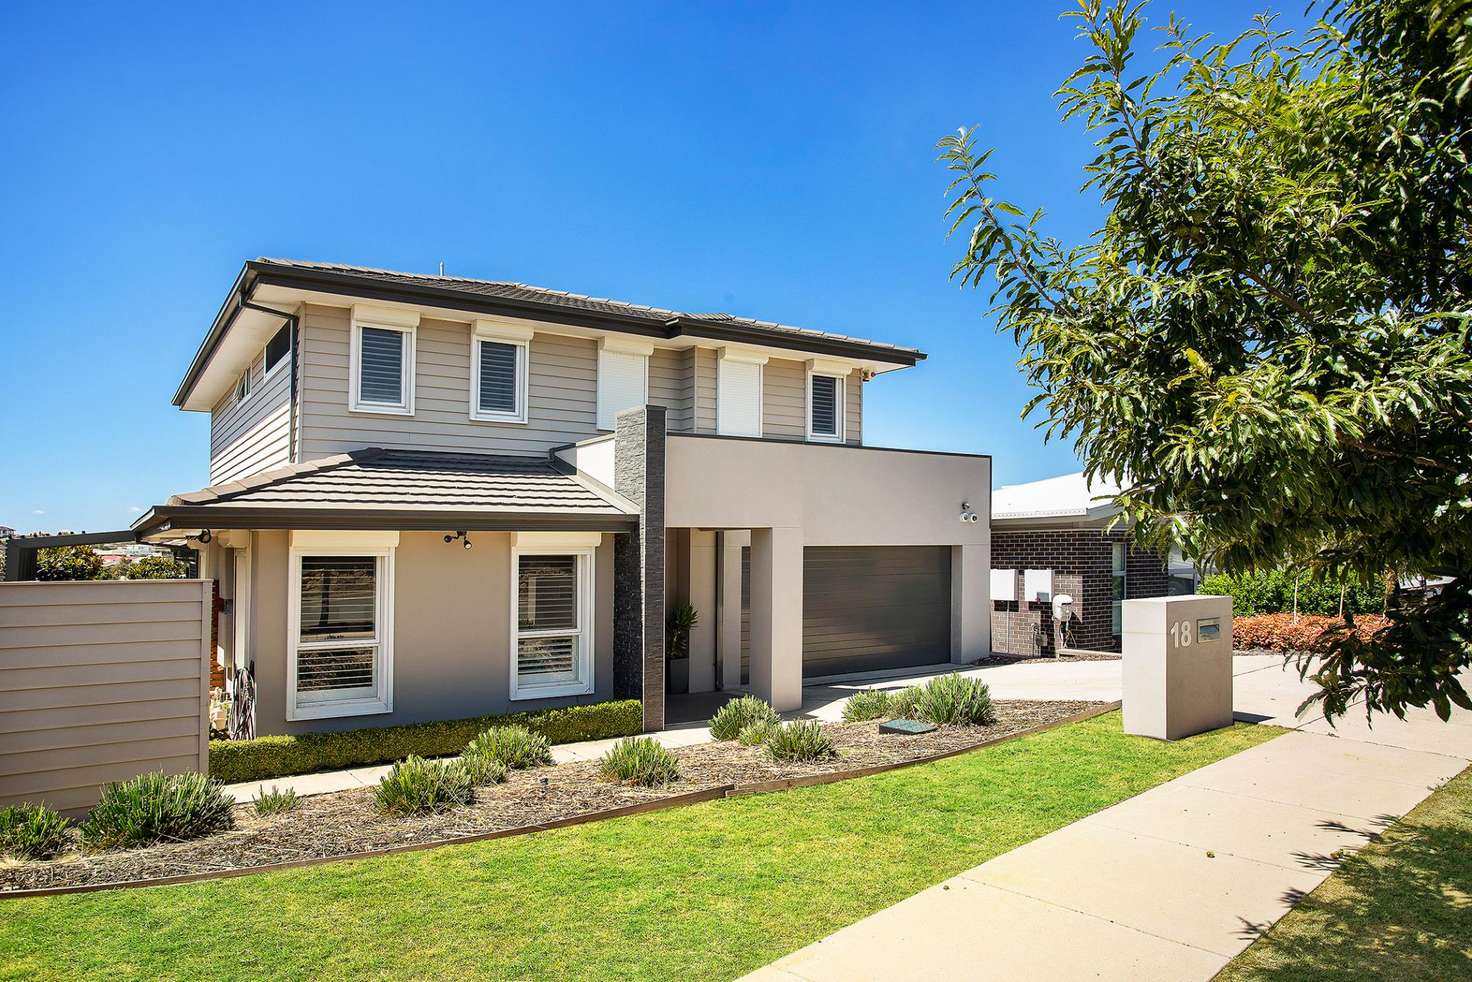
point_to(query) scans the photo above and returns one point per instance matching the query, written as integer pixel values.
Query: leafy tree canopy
(1268, 336)
(154, 568)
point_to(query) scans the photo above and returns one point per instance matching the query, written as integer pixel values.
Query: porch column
(728, 606)
(700, 568)
(776, 616)
(971, 604)
(638, 560)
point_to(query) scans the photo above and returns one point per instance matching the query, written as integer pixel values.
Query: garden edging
(673, 801)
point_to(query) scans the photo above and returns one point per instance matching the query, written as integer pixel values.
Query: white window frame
(498, 333)
(735, 355)
(406, 324)
(1122, 571)
(619, 346)
(585, 548)
(377, 544)
(840, 396)
(243, 387)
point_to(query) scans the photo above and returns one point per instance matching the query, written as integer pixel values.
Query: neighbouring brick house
(1053, 538)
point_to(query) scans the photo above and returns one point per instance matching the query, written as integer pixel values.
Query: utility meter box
(1177, 665)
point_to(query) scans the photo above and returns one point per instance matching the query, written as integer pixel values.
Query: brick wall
(1081, 561)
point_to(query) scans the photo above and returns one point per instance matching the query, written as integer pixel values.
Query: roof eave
(164, 518)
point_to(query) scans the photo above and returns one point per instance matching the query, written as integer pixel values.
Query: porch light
(459, 535)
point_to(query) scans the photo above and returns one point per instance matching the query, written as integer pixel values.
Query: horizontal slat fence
(101, 681)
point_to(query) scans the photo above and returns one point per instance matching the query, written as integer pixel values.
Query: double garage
(867, 609)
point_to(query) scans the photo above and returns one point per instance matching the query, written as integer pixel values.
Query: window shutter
(739, 398)
(498, 384)
(825, 405)
(381, 377)
(621, 384)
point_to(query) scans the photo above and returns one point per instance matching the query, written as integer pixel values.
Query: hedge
(1282, 632)
(1272, 593)
(266, 757)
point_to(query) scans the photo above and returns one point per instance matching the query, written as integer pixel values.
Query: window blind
(498, 383)
(547, 593)
(621, 384)
(339, 597)
(381, 369)
(825, 405)
(739, 398)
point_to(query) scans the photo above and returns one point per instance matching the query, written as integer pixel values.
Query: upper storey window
(739, 393)
(498, 372)
(623, 378)
(825, 407)
(276, 350)
(381, 378)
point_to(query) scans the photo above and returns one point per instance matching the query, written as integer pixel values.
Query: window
(623, 381)
(739, 395)
(1119, 554)
(381, 373)
(552, 635)
(242, 386)
(340, 641)
(276, 350)
(498, 380)
(825, 407)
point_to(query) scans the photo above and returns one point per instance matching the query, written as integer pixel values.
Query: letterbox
(1177, 665)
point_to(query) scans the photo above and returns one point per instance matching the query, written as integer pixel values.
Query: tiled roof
(404, 480)
(558, 298)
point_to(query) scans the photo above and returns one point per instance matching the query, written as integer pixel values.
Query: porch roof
(400, 489)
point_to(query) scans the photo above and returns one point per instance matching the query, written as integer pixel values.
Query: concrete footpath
(1172, 883)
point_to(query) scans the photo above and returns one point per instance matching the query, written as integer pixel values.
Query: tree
(155, 568)
(1268, 335)
(69, 563)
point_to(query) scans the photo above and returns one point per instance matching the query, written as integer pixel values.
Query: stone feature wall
(1081, 561)
(638, 562)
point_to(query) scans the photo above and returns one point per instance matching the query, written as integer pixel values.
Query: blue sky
(773, 160)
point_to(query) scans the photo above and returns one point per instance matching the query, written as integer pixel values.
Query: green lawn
(1400, 908)
(709, 891)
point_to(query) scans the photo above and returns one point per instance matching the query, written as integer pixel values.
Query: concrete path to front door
(1170, 884)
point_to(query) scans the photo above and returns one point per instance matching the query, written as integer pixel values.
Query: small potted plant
(683, 618)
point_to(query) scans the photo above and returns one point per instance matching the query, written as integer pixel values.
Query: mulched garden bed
(994, 659)
(346, 822)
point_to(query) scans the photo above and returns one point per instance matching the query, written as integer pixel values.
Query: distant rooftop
(1065, 496)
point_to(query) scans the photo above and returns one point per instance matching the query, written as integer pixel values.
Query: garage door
(867, 608)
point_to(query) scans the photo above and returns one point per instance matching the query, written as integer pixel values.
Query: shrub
(277, 756)
(415, 786)
(482, 770)
(755, 734)
(155, 568)
(866, 704)
(738, 714)
(69, 563)
(640, 761)
(32, 831)
(1280, 632)
(902, 704)
(1272, 593)
(800, 742)
(955, 700)
(158, 808)
(514, 746)
(277, 801)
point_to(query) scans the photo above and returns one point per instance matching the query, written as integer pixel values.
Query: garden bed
(346, 823)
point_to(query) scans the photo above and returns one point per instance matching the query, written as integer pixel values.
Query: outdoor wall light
(459, 535)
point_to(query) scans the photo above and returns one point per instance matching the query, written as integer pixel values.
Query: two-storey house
(433, 497)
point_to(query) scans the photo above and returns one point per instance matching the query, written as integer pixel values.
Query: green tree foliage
(155, 568)
(69, 563)
(1268, 335)
(1271, 592)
